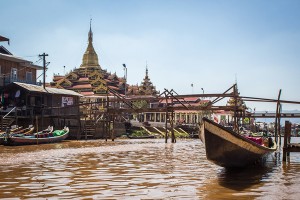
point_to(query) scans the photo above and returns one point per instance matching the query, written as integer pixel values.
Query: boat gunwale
(238, 136)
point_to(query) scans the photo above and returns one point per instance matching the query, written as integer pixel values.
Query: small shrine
(145, 88)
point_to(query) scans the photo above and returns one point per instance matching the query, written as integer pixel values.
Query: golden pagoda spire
(90, 57)
(146, 71)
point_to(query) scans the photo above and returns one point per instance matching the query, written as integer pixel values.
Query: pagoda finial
(90, 32)
(146, 69)
(90, 57)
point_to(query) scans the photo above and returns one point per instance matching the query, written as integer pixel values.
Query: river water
(138, 169)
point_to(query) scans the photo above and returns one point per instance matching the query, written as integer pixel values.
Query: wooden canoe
(16, 131)
(37, 138)
(141, 137)
(229, 149)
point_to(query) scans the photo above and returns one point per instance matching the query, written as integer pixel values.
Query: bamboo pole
(276, 117)
(166, 120)
(172, 127)
(37, 130)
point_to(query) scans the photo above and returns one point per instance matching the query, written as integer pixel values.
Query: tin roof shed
(47, 90)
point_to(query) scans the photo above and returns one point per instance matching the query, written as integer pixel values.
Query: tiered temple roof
(90, 79)
(240, 103)
(145, 88)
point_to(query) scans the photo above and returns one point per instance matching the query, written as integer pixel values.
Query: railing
(9, 80)
(9, 112)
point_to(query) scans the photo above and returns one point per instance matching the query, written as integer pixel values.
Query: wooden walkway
(292, 147)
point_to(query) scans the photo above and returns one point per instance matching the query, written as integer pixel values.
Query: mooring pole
(172, 127)
(286, 141)
(236, 128)
(113, 128)
(166, 124)
(276, 117)
(279, 129)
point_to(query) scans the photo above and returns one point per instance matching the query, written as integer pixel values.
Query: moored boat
(227, 148)
(141, 137)
(16, 131)
(38, 138)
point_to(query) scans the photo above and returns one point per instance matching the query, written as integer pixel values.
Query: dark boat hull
(229, 149)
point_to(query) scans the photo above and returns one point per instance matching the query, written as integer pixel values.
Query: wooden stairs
(6, 122)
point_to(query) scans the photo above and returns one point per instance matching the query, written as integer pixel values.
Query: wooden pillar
(107, 121)
(235, 126)
(172, 127)
(276, 118)
(79, 130)
(279, 129)
(166, 121)
(287, 134)
(106, 128)
(16, 115)
(42, 126)
(85, 131)
(113, 128)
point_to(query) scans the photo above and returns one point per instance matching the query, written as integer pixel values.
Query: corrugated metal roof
(20, 60)
(37, 88)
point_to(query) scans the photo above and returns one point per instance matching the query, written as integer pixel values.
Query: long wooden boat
(38, 138)
(229, 149)
(16, 131)
(12, 129)
(141, 137)
(25, 131)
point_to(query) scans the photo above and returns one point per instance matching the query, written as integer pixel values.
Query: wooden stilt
(166, 120)
(113, 129)
(172, 127)
(276, 118)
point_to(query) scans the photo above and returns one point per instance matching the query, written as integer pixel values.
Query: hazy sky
(209, 44)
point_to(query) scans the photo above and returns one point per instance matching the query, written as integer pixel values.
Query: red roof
(190, 99)
(113, 87)
(57, 77)
(83, 86)
(87, 93)
(83, 79)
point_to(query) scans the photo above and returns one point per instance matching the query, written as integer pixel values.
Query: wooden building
(25, 104)
(13, 68)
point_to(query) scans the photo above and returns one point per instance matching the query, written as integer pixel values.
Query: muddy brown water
(138, 169)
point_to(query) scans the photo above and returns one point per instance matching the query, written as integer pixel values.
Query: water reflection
(133, 169)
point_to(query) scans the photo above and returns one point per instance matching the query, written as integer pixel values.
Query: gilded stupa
(90, 57)
(90, 79)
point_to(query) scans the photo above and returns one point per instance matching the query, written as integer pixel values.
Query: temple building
(90, 79)
(145, 88)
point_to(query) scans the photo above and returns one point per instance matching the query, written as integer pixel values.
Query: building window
(28, 77)
(14, 74)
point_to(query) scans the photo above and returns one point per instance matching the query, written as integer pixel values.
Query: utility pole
(44, 66)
